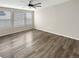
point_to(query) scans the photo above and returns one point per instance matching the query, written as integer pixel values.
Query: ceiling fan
(34, 5)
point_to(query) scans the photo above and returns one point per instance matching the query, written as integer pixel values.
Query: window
(5, 21)
(29, 19)
(19, 19)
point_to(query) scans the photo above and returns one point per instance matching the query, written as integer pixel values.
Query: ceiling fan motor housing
(31, 5)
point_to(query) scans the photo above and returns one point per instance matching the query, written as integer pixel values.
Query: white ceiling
(21, 4)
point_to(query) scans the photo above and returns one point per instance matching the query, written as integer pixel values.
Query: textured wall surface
(62, 19)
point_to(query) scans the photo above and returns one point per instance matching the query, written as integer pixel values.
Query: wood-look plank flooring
(38, 44)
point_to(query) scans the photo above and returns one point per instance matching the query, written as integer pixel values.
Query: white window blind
(18, 19)
(5, 21)
(29, 18)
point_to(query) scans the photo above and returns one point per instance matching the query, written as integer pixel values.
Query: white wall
(62, 19)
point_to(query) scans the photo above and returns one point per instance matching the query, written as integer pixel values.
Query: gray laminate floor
(35, 43)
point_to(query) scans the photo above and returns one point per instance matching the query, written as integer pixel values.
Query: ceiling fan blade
(30, 1)
(38, 6)
(37, 3)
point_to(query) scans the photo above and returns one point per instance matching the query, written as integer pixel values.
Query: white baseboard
(58, 34)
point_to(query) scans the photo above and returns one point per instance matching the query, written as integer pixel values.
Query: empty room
(39, 28)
